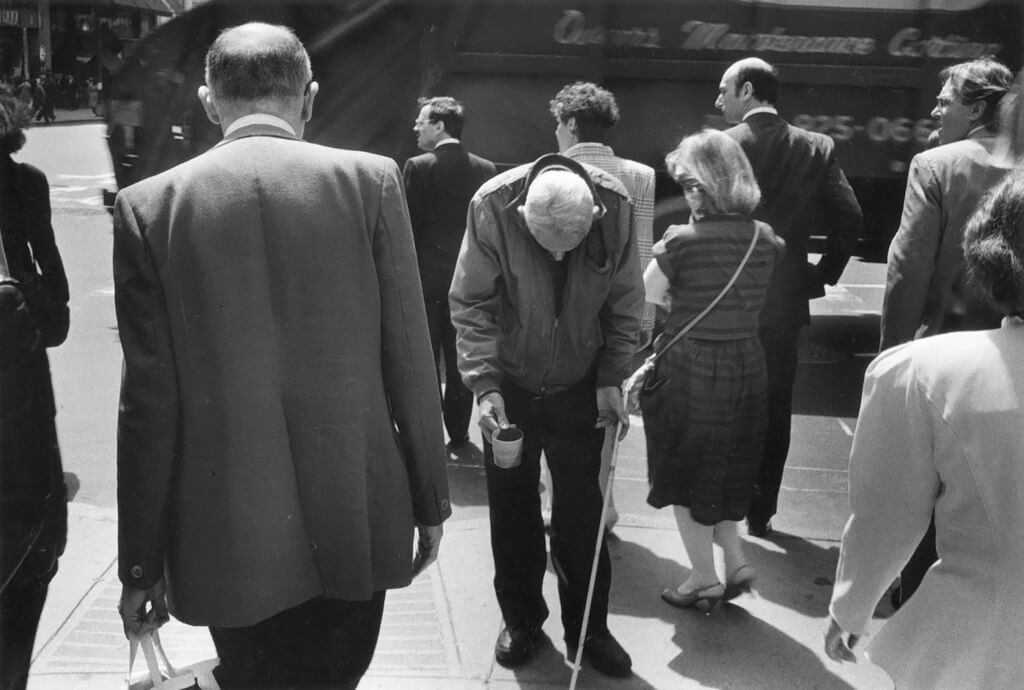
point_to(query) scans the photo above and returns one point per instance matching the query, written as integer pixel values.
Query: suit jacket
(280, 426)
(439, 185)
(925, 292)
(803, 192)
(940, 429)
(638, 179)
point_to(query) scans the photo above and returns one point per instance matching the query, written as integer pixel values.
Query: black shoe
(516, 646)
(605, 654)
(756, 528)
(455, 446)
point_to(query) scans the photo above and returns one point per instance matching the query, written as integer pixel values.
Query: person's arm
(407, 358)
(912, 253)
(893, 488)
(844, 220)
(475, 298)
(620, 314)
(148, 417)
(53, 285)
(412, 180)
(655, 285)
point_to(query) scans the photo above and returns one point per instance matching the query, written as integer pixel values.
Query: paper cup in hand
(507, 445)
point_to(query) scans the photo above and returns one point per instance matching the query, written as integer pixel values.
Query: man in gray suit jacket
(279, 435)
(799, 179)
(925, 290)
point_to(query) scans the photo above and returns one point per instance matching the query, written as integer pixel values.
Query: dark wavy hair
(994, 246)
(450, 111)
(15, 118)
(594, 108)
(985, 79)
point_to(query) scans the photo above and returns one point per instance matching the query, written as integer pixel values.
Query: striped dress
(705, 425)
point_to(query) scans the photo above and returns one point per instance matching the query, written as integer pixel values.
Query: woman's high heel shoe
(741, 581)
(704, 599)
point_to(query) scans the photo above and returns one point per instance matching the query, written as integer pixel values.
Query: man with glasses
(439, 185)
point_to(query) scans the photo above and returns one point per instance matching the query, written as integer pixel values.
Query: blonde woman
(705, 414)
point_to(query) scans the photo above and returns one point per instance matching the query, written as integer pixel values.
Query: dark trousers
(562, 426)
(20, 608)
(457, 404)
(780, 350)
(322, 643)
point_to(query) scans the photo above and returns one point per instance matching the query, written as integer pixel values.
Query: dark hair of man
(985, 79)
(763, 78)
(594, 109)
(255, 62)
(448, 111)
(15, 118)
(994, 245)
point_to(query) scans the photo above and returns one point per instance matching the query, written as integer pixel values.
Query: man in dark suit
(439, 185)
(800, 181)
(279, 435)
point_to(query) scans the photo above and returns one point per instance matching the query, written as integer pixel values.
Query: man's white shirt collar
(449, 140)
(761, 109)
(259, 119)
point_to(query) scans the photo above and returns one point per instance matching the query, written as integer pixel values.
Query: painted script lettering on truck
(572, 28)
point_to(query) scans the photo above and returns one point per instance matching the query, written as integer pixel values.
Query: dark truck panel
(866, 76)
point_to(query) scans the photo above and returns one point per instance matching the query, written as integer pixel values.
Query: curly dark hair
(593, 107)
(994, 245)
(15, 118)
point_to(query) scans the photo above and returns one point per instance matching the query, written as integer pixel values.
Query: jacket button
(444, 504)
(136, 571)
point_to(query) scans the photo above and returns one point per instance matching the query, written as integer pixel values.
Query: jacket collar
(555, 160)
(257, 130)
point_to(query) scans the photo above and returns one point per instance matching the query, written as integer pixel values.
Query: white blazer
(941, 428)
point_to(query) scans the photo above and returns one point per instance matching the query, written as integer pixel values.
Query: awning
(157, 6)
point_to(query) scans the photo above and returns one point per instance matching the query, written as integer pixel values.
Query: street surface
(774, 639)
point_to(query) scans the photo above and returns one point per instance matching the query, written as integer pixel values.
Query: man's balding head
(747, 84)
(256, 61)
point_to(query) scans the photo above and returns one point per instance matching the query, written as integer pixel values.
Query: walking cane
(597, 551)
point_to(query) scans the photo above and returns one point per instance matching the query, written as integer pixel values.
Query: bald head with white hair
(258, 68)
(559, 210)
(747, 84)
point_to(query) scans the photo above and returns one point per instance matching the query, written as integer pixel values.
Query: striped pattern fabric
(705, 425)
(698, 260)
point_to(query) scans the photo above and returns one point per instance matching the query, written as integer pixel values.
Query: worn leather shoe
(756, 528)
(605, 654)
(516, 646)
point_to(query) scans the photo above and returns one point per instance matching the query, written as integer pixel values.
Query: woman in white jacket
(941, 428)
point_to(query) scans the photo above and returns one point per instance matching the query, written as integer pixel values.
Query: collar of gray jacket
(556, 161)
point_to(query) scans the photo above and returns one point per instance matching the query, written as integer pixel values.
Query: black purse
(644, 380)
(19, 335)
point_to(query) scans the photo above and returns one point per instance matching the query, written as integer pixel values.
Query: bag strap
(718, 298)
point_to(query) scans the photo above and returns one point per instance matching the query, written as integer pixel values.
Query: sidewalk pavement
(439, 632)
(69, 117)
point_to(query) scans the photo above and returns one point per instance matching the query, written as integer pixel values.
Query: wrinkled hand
(836, 649)
(136, 617)
(427, 547)
(492, 414)
(633, 385)
(610, 410)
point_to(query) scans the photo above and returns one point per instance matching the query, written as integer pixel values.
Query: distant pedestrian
(546, 301)
(584, 114)
(33, 317)
(940, 433)
(803, 192)
(439, 185)
(705, 413)
(279, 436)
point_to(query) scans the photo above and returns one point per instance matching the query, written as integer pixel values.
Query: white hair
(559, 209)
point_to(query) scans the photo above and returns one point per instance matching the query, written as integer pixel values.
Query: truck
(865, 72)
